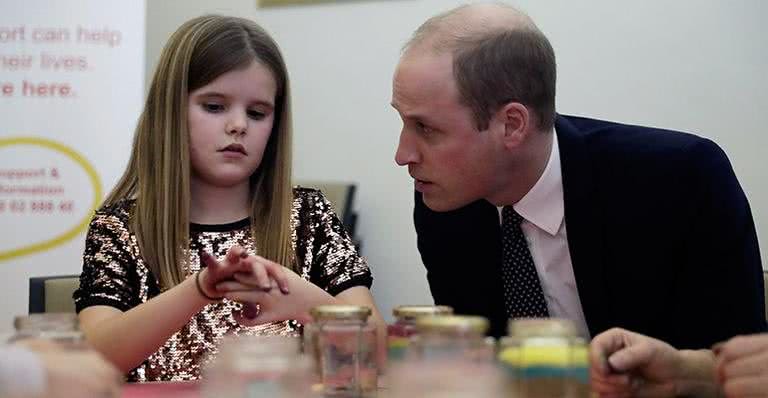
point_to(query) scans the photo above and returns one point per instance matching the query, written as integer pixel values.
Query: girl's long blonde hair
(158, 172)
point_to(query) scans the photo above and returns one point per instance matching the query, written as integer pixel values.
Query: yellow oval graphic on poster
(81, 224)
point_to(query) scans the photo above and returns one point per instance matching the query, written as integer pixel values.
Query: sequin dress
(114, 274)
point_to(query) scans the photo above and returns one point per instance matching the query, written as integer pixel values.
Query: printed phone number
(37, 206)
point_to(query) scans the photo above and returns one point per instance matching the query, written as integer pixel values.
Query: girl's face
(230, 120)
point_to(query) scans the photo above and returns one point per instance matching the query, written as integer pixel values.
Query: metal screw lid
(340, 312)
(541, 327)
(412, 312)
(452, 323)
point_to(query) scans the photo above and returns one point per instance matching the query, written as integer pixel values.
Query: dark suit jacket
(660, 234)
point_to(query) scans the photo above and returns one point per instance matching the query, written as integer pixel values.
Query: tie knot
(510, 216)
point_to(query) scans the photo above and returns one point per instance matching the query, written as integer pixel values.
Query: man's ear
(516, 121)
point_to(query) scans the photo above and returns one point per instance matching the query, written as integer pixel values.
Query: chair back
(52, 293)
(341, 196)
(765, 285)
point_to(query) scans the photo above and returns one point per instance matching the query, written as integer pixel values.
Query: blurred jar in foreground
(448, 378)
(70, 367)
(62, 328)
(451, 336)
(256, 366)
(578, 382)
(545, 359)
(400, 332)
(345, 349)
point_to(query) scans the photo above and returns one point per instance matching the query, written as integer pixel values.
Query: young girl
(205, 201)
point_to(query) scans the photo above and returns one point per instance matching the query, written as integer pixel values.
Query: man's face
(450, 160)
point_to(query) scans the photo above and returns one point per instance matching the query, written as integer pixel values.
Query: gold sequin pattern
(114, 274)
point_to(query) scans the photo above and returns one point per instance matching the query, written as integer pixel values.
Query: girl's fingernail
(250, 311)
(284, 289)
(205, 257)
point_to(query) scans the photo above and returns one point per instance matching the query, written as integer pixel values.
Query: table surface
(180, 389)
(175, 389)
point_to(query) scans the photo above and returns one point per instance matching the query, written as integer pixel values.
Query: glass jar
(448, 378)
(451, 336)
(400, 332)
(62, 328)
(344, 345)
(578, 381)
(253, 366)
(545, 358)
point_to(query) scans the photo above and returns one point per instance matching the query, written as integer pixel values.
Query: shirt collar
(543, 204)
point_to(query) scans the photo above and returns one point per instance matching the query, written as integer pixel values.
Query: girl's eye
(256, 115)
(213, 107)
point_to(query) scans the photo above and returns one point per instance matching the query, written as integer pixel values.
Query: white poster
(71, 89)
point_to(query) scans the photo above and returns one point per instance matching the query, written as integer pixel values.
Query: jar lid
(50, 321)
(340, 312)
(452, 323)
(541, 327)
(418, 311)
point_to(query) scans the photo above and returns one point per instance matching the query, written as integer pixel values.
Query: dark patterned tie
(522, 290)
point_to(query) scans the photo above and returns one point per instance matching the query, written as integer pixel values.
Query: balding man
(523, 212)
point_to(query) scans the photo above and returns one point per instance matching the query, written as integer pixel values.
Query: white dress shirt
(543, 225)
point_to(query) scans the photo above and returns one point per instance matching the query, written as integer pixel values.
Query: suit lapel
(462, 252)
(582, 218)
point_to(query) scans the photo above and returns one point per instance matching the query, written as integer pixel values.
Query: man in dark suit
(521, 212)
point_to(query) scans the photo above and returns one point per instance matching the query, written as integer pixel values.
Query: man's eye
(213, 107)
(423, 128)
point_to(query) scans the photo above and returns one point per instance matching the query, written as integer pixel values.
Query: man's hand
(627, 364)
(742, 366)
